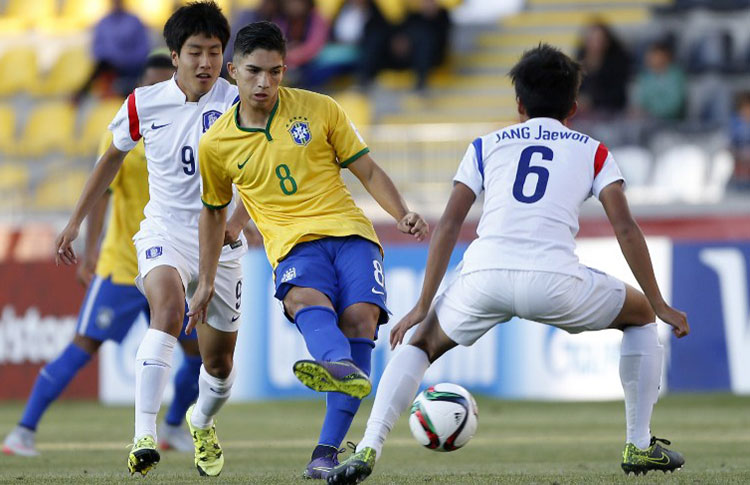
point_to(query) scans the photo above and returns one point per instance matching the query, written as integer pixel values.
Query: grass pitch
(517, 442)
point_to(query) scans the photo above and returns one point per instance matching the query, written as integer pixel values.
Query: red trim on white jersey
(600, 158)
(135, 132)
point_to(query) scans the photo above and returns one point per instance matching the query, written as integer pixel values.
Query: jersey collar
(267, 129)
(174, 90)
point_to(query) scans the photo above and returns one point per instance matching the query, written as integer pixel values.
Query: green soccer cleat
(655, 457)
(209, 459)
(333, 376)
(354, 469)
(143, 456)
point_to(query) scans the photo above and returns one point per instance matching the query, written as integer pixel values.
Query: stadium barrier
(521, 360)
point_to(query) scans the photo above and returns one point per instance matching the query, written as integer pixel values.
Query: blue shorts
(109, 310)
(347, 270)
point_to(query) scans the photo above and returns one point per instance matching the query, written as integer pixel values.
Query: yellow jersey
(288, 174)
(129, 189)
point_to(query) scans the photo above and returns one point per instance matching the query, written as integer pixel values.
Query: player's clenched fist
(412, 223)
(677, 319)
(63, 246)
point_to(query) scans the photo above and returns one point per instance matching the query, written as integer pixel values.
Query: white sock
(212, 394)
(641, 357)
(396, 391)
(153, 362)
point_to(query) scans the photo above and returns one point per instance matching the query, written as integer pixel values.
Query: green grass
(517, 442)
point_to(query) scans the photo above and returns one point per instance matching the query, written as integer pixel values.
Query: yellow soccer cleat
(143, 456)
(209, 459)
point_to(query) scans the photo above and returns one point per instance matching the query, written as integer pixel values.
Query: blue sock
(185, 389)
(51, 381)
(323, 337)
(340, 408)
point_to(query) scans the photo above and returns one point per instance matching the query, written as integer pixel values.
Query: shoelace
(213, 447)
(654, 439)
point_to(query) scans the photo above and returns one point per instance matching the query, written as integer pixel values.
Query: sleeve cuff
(214, 207)
(354, 157)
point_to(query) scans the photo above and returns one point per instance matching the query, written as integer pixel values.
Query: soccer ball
(443, 417)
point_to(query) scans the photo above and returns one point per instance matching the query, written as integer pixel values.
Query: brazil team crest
(300, 131)
(209, 117)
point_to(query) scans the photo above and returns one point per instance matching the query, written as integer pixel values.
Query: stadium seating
(60, 190)
(49, 128)
(23, 73)
(95, 124)
(14, 186)
(636, 164)
(31, 12)
(69, 72)
(84, 13)
(680, 174)
(7, 127)
(152, 12)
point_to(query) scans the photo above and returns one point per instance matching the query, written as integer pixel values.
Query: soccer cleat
(209, 459)
(143, 456)
(655, 457)
(174, 438)
(20, 442)
(333, 376)
(354, 469)
(319, 468)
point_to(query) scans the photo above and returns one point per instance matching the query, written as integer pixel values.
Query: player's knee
(360, 320)
(219, 366)
(168, 316)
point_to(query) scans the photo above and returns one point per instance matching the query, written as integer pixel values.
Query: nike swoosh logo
(663, 460)
(378, 292)
(242, 165)
(234, 319)
(154, 126)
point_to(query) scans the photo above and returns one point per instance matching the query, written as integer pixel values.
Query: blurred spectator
(419, 43)
(120, 48)
(606, 66)
(357, 28)
(306, 33)
(660, 88)
(267, 10)
(739, 138)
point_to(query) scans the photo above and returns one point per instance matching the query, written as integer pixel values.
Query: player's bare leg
(397, 389)
(166, 298)
(358, 323)
(333, 368)
(641, 357)
(214, 388)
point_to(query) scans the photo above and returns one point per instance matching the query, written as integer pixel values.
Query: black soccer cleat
(655, 457)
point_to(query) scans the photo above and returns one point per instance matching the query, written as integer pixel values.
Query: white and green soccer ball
(443, 417)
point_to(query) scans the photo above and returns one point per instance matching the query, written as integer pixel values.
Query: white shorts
(154, 248)
(473, 303)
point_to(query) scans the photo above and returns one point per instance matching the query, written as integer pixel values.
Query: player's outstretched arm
(94, 225)
(380, 186)
(634, 248)
(102, 176)
(211, 227)
(441, 246)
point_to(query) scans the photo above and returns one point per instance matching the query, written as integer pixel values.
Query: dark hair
(193, 19)
(546, 82)
(260, 35)
(159, 60)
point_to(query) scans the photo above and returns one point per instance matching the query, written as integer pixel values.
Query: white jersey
(535, 176)
(171, 128)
